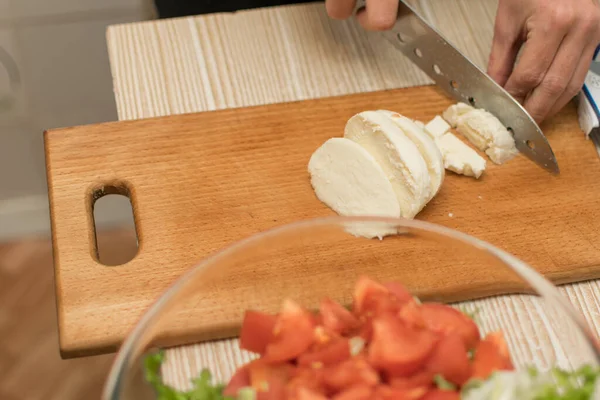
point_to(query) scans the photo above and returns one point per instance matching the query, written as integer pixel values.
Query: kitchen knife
(465, 82)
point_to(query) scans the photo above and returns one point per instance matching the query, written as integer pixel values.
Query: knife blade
(462, 80)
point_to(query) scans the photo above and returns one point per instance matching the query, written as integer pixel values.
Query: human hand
(558, 39)
(378, 15)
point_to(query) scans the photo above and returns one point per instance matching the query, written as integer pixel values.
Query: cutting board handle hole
(116, 240)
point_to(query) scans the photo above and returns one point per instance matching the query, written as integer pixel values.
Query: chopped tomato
(422, 379)
(384, 392)
(437, 394)
(313, 356)
(261, 373)
(355, 371)
(398, 290)
(303, 393)
(333, 352)
(336, 318)
(307, 377)
(411, 314)
(397, 348)
(444, 319)
(293, 334)
(357, 392)
(240, 379)
(491, 354)
(257, 331)
(374, 298)
(450, 360)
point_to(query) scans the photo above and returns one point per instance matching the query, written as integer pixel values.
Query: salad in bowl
(323, 314)
(387, 346)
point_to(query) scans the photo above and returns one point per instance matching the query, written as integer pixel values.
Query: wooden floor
(30, 364)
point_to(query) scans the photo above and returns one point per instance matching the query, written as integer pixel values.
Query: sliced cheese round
(349, 180)
(430, 152)
(397, 155)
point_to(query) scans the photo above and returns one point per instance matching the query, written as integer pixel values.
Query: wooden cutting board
(200, 182)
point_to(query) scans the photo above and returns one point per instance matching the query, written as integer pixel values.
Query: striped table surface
(292, 53)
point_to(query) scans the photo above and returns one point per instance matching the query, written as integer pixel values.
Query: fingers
(567, 71)
(538, 54)
(340, 9)
(505, 46)
(378, 15)
(576, 82)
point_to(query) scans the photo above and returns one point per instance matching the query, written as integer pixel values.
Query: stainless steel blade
(464, 81)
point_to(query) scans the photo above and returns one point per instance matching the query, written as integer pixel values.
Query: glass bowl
(197, 318)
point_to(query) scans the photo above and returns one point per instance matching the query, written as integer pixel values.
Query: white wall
(60, 53)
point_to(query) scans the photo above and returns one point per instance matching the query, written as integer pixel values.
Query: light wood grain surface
(199, 182)
(293, 53)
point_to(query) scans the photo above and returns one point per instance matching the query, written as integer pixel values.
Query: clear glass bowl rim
(541, 285)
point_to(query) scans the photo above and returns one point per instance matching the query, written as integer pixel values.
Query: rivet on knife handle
(466, 82)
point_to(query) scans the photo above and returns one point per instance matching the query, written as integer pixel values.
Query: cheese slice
(430, 152)
(460, 158)
(454, 111)
(349, 180)
(437, 127)
(488, 134)
(397, 155)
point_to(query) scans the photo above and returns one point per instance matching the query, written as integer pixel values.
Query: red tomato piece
(333, 352)
(311, 378)
(355, 371)
(422, 379)
(240, 379)
(304, 393)
(373, 297)
(357, 392)
(293, 334)
(336, 318)
(491, 354)
(450, 360)
(437, 394)
(398, 290)
(411, 314)
(261, 373)
(397, 348)
(384, 392)
(444, 319)
(257, 331)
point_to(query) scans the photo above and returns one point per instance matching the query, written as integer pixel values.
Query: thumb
(505, 46)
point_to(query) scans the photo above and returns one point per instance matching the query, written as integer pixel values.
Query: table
(292, 53)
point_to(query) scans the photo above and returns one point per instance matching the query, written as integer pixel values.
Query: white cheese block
(460, 158)
(488, 134)
(349, 180)
(419, 124)
(454, 111)
(397, 155)
(437, 127)
(430, 152)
